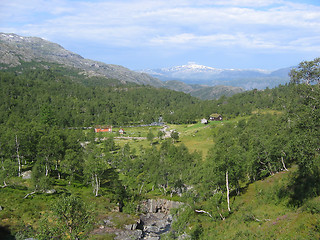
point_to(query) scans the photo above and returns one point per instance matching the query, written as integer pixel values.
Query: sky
(148, 34)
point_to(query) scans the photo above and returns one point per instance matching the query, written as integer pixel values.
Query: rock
(131, 226)
(152, 238)
(51, 191)
(184, 237)
(158, 205)
(108, 222)
(154, 229)
(26, 174)
(128, 234)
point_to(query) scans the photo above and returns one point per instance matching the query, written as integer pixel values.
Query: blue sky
(265, 34)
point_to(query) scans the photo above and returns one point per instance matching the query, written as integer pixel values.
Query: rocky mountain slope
(15, 49)
(193, 73)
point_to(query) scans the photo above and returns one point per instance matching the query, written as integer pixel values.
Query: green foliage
(150, 137)
(175, 136)
(54, 98)
(312, 206)
(70, 219)
(307, 72)
(266, 133)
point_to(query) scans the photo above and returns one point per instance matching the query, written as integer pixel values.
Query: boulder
(51, 191)
(153, 229)
(151, 238)
(158, 205)
(26, 174)
(128, 234)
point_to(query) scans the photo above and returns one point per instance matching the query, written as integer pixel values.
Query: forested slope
(50, 95)
(261, 169)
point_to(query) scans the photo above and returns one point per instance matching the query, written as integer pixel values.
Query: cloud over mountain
(162, 31)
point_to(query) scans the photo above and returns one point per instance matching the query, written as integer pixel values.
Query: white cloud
(256, 24)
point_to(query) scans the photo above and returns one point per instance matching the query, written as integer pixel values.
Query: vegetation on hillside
(256, 175)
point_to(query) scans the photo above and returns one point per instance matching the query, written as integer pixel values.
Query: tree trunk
(284, 166)
(97, 183)
(47, 169)
(202, 211)
(222, 217)
(4, 184)
(18, 156)
(227, 186)
(141, 188)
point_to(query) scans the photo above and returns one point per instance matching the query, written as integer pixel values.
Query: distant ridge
(193, 73)
(15, 49)
(202, 91)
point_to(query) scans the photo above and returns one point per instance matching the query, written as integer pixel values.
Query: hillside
(156, 171)
(67, 101)
(202, 91)
(15, 49)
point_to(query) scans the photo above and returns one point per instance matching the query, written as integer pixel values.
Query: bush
(312, 206)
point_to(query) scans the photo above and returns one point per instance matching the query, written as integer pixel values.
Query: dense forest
(54, 99)
(264, 133)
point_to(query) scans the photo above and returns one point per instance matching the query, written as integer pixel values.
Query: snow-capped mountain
(193, 67)
(193, 73)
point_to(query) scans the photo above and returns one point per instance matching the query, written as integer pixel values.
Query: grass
(18, 212)
(258, 213)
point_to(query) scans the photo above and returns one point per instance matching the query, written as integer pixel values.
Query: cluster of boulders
(155, 220)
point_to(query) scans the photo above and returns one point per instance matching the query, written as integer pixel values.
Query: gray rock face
(127, 234)
(155, 224)
(157, 219)
(158, 205)
(15, 49)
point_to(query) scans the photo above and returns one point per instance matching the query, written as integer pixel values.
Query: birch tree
(95, 167)
(226, 163)
(49, 150)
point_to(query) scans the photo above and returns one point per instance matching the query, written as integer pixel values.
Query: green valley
(253, 175)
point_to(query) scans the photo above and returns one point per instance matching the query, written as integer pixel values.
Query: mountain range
(247, 79)
(197, 80)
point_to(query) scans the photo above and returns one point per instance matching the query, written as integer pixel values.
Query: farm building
(103, 129)
(215, 117)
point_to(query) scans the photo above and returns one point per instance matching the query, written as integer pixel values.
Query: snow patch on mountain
(193, 73)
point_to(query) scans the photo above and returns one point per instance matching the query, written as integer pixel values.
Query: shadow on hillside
(240, 191)
(5, 233)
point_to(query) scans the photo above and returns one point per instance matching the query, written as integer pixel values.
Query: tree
(150, 137)
(71, 164)
(304, 119)
(175, 136)
(49, 149)
(307, 72)
(70, 219)
(226, 162)
(95, 167)
(7, 169)
(109, 145)
(160, 135)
